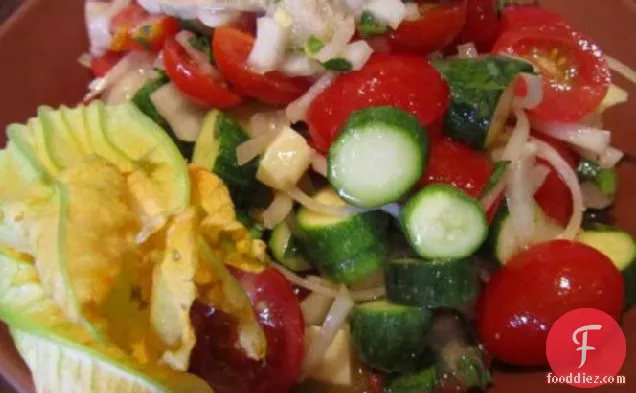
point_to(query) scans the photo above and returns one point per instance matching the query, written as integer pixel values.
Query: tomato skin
(404, 81)
(535, 288)
(518, 16)
(101, 65)
(458, 165)
(434, 30)
(231, 47)
(482, 24)
(204, 89)
(133, 28)
(554, 197)
(575, 73)
(216, 357)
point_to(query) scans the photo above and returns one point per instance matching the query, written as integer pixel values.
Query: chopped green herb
(369, 26)
(314, 44)
(195, 27)
(143, 41)
(338, 64)
(202, 44)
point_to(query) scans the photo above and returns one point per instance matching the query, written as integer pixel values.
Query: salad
(321, 195)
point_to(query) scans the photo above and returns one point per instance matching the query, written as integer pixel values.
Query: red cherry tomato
(231, 48)
(518, 16)
(206, 89)
(554, 197)
(575, 73)
(482, 24)
(404, 81)
(216, 357)
(101, 65)
(458, 165)
(535, 288)
(439, 23)
(134, 28)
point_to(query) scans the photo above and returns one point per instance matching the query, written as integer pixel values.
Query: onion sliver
(278, 210)
(305, 200)
(580, 135)
(319, 163)
(269, 47)
(569, 177)
(538, 174)
(339, 40)
(518, 138)
(593, 198)
(297, 110)
(520, 196)
(335, 320)
(201, 60)
(620, 67)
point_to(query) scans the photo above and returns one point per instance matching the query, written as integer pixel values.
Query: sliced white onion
(263, 128)
(254, 147)
(158, 64)
(520, 196)
(518, 138)
(354, 5)
(492, 196)
(610, 158)
(569, 177)
(126, 87)
(297, 110)
(411, 11)
(319, 163)
(85, 60)
(586, 137)
(321, 287)
(181, 9)
(278, 210)
(538, 174)
(390, 12)
(201, 59)
(341, 37)
(133, 61)
(620, 67)
(315, 308)
(306, 201)
(534, 94)
(98, 15)
(593, 197)
(299, 64)
(615, 96)
(335, 320)
(184, 116)
(468, 51)
(269, 47)
(358, 53)
(216, 18)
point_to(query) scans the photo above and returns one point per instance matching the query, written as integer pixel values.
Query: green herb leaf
(314, 44)
(202, 44)
(338, 64)
(369, 26)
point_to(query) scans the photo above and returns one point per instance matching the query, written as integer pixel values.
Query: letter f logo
(584, 347)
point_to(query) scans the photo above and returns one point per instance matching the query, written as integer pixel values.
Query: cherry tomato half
(574, 70)
(554, 197)
(134, 28)
(518, 16)
(458, 165)
(535, 288)
(482, 24)
(101, 65)
(407, 82)
(232, 47)
(216, 357)
(206, 89)
(438, 24)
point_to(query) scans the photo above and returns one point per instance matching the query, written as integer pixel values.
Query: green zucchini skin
(358, 267)
(423, 381)
(142, 100)
(620, 247)
(480, 96)
(286, 250)
(390, 337)
(431, 283)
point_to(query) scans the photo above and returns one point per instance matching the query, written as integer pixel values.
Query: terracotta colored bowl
(38, 51)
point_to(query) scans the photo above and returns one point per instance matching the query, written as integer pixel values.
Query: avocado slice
(29, 140)
(63, 146)
(74, 119)
(95, 123)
